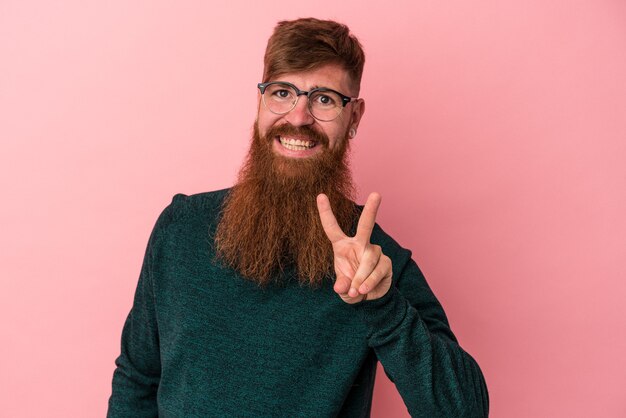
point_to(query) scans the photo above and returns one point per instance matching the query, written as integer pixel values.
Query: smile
(296, 144)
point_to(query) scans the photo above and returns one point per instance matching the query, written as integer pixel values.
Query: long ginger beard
(270, 219)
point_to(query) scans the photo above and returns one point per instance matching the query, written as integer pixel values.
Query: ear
(358, 108)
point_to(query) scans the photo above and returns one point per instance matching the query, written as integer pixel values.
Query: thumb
(342, 284)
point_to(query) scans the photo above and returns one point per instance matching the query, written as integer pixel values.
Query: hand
(363, 271)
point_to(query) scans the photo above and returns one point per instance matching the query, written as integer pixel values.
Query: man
(278, 296)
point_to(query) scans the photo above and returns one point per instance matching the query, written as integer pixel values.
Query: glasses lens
(325, 105)
(280, 98)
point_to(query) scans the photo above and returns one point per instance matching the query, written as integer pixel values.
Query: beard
(270, 220)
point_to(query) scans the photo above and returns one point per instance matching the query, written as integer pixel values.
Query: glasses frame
(344, 99)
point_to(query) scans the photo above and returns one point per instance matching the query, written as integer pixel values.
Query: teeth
(295, 148)
(296, 144)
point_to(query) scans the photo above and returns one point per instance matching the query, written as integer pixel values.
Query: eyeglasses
(280, 97)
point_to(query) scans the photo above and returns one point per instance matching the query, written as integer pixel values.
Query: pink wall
(495, 132)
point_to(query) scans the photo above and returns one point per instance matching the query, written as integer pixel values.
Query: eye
(325, 100)
(281, 94)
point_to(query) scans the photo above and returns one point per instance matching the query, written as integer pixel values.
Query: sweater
(201, 341)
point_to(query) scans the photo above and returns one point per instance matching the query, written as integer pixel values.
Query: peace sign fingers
(362, 270)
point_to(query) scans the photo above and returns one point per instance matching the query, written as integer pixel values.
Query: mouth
(296, 144)
(295, 147)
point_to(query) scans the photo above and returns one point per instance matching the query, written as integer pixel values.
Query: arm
(407, 327)
(409, 332)
(136, 378)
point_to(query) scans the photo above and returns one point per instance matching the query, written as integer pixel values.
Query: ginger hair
(308, 43)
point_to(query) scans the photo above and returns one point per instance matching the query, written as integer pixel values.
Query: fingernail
(352, 293)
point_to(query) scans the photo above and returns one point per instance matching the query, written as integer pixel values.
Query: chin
(292, 167)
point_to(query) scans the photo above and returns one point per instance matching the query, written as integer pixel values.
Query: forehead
(331, 75)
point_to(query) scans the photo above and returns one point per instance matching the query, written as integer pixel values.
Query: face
(301, 145)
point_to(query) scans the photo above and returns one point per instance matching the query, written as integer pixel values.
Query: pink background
(495, 132)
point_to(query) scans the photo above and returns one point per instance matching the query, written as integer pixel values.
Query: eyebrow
(317, 86)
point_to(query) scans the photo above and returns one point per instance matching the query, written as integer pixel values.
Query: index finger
(368, 217)
(329, 222)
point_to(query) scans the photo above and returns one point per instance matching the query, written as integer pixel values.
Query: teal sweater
(200, 341)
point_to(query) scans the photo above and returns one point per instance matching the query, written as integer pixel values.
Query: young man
(278, 296)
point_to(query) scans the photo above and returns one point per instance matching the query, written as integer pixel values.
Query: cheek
(336, 135)
(265, 121)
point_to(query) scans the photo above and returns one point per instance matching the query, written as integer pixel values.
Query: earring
(352, 133)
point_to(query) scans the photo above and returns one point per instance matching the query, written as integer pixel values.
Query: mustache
(298, 131)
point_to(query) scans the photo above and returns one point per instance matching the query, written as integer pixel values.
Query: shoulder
(191, 211)
(407, 275)
(398, 254)
(390, 246)
(183, 204)
(401, 258)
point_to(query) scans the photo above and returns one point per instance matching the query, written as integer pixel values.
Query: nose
(300, 115)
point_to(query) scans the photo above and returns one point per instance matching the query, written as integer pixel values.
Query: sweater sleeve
(409, 332)
(137, 375)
